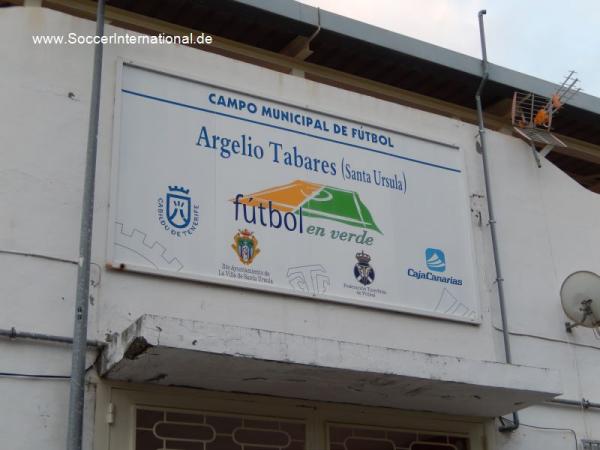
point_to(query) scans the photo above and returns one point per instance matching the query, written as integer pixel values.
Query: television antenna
(580, 298)
(532, 115)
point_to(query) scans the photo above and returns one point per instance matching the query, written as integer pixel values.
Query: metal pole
(77, 384)
(490, 204)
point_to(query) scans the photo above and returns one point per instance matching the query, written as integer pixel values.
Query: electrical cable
(32, 375)
(37, 255)
(56, 259)
(572, 431)
(549, 339)
(41, 376)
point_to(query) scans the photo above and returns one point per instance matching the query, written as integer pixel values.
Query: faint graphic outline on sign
(311, 279)
(154, 253)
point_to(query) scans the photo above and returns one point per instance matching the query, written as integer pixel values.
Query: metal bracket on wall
(536, 136)
(547, 149)
(535, 155)
(542, 153)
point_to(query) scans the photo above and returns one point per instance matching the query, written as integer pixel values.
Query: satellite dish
(580, 298)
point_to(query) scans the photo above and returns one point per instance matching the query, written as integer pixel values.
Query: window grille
(184, 430)
(353, 437)
(590, 445)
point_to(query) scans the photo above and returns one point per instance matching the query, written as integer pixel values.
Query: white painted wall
(547, 228)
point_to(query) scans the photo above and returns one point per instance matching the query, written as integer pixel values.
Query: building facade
(287, 253)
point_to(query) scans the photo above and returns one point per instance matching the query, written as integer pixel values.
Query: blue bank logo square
(435, 259)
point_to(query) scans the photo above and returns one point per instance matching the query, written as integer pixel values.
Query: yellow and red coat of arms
(245, 245)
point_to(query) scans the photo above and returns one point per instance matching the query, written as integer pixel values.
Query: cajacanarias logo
(435, 260)
(312, 200)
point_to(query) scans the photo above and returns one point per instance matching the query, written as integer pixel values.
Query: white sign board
(226, 187)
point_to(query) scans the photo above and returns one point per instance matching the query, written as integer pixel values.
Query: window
(147, 417)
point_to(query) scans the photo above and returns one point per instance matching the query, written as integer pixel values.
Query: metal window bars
(590, 445)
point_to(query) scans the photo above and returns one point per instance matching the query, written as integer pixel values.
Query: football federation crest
(363, 272)
(179, 207)
(245, 245)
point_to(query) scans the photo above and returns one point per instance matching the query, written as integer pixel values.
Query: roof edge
(372, 34)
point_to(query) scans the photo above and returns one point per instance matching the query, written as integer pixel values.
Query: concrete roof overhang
(178, 352)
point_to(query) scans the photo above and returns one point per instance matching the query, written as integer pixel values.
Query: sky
(545, 39)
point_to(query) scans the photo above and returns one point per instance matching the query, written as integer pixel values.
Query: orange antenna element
(531, 110)
(542, 118)
(556, 104)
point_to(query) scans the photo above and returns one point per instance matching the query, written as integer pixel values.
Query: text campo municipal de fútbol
(245, 273)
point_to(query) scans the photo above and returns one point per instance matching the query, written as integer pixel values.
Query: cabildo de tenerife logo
(176, 212)
(435, 260)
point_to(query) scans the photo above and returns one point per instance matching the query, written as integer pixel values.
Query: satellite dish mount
(580, 298)
(586, 310)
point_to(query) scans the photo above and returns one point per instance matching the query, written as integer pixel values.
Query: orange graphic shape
(285, 198)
